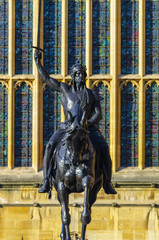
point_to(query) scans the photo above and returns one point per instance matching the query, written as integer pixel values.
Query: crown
(77, 67)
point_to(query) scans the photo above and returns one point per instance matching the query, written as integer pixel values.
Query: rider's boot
(47, 157)
(45, 187)
(107, 185)
(108, 188)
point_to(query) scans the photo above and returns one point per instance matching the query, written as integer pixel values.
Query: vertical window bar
(101, 37)
(23, 36)
(129, 36)
(3, 36)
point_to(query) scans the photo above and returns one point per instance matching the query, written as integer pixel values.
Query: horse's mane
(76, 121)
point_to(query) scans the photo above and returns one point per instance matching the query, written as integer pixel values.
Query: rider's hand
(37, 55)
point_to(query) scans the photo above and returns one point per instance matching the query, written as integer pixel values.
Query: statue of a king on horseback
(76, 158)
(83, 160)
(71, 97)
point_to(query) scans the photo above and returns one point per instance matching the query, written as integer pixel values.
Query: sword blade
(38, 33)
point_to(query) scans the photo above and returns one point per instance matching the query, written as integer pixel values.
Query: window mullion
(141, 150)
(114, 71)
(37, 124)
(141, 146)
(11, 110)
(64, 40)
(11, 52)
(142, 38)
(11, 71)
(89, 40)
(64, 46)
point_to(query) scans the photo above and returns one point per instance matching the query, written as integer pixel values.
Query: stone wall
(131, 214)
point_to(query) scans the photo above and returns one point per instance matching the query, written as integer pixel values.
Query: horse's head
(77, 137)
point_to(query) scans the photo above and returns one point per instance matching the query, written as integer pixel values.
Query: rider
(89, 101)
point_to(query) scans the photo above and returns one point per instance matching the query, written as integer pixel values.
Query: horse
(74, 170)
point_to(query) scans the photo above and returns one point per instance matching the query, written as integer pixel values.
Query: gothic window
(23, 126)
(152, 37)
(23, 36)
(76, 32)
(129, 126)
(112, 41)
(3, 36)
(152, 126)
(51, 114)
(52, 36)
(3, 126)
(104, 124)
(101, 37)
(129, 36)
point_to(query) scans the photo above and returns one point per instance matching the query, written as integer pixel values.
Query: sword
(38, 33)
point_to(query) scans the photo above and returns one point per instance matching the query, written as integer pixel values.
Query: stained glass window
(129, 36)
(3, 126)
(76, 32)
(101, 37)
(152, 37)
(3, 36)
(23, 36)
(23, 126)
(104, 124)
(152, 126)
(129, 126)
(52, 36)
(51, 113)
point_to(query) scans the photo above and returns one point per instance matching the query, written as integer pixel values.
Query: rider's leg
(104, 159)
(107, 168)
(47, 157)
(46, 161)
(94, 191)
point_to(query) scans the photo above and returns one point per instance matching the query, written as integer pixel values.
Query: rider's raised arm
(51, 82)
(97, 115)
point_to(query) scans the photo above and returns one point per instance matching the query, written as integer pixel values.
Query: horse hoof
(62, 236)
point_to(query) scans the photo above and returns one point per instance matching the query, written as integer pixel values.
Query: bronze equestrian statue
(77, 155)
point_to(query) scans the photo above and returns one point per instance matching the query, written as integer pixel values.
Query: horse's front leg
(63, 234)
(87, 183)
(65, 216)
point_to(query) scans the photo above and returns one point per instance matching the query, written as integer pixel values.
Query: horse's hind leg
(86, 215)
(65, 216)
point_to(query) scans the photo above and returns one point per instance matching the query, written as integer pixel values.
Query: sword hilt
(40, 49)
